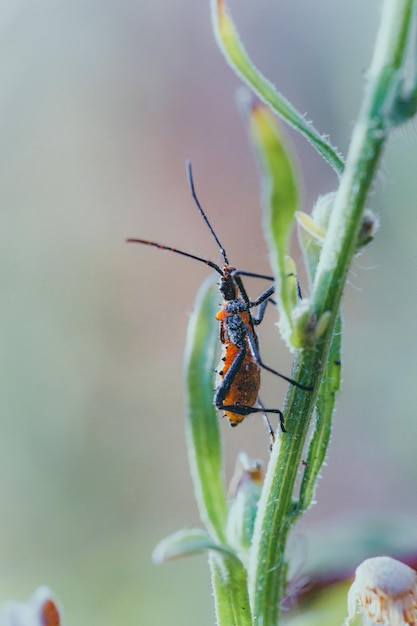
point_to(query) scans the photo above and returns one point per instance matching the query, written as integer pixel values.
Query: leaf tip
(219, 11)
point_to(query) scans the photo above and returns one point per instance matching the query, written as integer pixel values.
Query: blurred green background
(101, 103)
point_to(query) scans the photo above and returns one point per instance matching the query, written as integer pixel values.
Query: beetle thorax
(234, 307)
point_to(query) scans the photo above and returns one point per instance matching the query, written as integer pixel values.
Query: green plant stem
(277, 510)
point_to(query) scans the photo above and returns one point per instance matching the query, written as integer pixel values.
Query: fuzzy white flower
(386, 591)
(39, 610)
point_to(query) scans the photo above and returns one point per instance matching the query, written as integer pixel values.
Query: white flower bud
(386, 591)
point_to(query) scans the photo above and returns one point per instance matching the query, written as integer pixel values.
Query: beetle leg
(256, 355)
(228, 379)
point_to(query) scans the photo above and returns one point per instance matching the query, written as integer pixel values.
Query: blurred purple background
(101, 104)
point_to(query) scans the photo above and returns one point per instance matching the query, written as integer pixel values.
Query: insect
(237, 391)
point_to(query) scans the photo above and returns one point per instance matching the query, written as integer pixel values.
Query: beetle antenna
(203, 215)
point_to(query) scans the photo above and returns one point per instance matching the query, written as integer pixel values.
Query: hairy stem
(277, 508)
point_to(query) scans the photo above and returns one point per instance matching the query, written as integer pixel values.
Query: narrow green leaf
(186, 542)
(243, 505)
(230, 591)
(311, 233)
(228, 574)
(202, 424)
(232, 48)
(312, 230)
(279, 200)
(325, 404)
